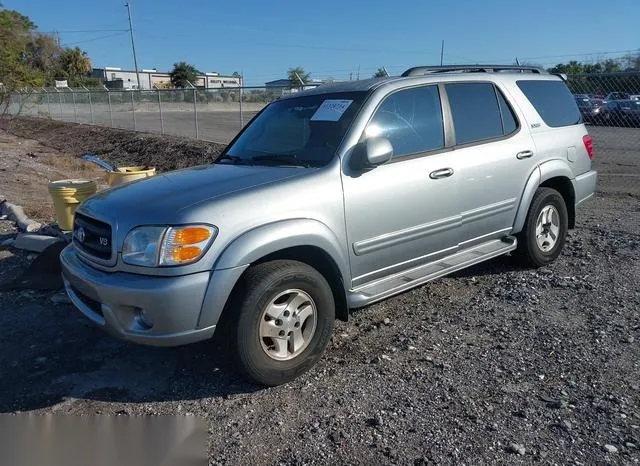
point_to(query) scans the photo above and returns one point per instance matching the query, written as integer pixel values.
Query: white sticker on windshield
(331, 110)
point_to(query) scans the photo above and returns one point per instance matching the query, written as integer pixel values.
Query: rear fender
(543, 172)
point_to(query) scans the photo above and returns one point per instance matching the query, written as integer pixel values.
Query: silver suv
(329, 200)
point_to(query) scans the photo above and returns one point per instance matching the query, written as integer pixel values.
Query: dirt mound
(116, 146)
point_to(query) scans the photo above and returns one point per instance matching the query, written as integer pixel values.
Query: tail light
(588, 144)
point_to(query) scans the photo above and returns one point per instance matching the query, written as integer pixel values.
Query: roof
(278, 82)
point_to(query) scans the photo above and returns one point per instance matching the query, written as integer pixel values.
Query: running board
(397, 283)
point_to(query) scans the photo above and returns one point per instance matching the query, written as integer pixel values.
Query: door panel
(492, 179)
(398, 217)
(405, 212)
(495, 155)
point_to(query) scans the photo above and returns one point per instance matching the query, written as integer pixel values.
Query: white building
(117, 78)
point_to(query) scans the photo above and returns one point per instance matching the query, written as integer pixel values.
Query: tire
(532, 251)
(267, 292)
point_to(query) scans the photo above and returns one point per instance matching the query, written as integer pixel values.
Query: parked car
(616, 96)
(634, 97)
(590, 109)
(332, 199)
(622, 113)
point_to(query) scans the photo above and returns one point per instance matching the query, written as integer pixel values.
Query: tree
(380, 73)
(298, 77)
(74, 63)
(183, 74)
(16, 31)
(43, 54)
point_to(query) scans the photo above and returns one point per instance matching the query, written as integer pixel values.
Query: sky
(338, 39)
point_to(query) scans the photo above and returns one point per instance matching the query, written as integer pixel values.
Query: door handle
(525, 154)
(442, 173)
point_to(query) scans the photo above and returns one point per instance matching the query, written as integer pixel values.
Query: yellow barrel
(67, 195)
(126, 174)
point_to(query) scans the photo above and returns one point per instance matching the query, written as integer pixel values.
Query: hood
(175, 191)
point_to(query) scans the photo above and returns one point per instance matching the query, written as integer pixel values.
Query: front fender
(543, 172)
(255, 244)
(259, 242)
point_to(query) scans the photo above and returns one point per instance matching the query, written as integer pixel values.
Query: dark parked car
(616, 96)
(590, 109)
(622, 112)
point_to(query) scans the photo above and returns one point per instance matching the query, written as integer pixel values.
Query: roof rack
(422, 70)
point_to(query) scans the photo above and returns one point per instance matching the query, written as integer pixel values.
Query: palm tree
(75, 62)
(183, 74)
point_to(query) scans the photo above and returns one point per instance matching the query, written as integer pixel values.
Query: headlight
(141, 246)
(154, 246)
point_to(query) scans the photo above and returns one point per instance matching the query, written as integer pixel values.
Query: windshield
(301, 131)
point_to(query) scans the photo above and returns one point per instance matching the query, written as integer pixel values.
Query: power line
(95, 39)
(84, 31)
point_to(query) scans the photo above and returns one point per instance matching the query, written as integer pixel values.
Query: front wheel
(545, 229)
(282, 321)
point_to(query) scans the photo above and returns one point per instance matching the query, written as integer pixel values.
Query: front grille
(92, 236)
(92, 304)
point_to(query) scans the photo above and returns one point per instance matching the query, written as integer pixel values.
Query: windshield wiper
(233, 159)
(281, 159)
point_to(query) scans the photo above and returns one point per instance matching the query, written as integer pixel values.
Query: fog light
(144, 319)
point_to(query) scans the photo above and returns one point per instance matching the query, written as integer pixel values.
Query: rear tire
(545, 230)
(282, 320)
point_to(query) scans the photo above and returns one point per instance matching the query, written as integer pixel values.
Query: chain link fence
(210, 114)
(610, 107)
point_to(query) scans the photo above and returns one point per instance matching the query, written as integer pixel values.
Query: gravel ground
(494, 365)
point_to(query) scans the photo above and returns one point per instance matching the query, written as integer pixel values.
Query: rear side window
(479, 112)
(553, 101)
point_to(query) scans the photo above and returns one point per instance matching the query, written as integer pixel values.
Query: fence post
(61, 112)
(133, 110)
(48, 102)
(195, 112)
(110, 112)
(91, 106)
(19, 103)
(75, 110)
(241, 113)
(160, 108)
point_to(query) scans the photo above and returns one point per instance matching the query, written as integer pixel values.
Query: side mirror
(371, 153)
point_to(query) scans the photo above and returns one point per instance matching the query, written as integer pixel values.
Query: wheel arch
(554, 174)
(304, 240)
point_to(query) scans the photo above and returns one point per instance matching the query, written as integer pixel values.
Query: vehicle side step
(397, 283)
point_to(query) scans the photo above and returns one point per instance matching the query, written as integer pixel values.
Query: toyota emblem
(80, 235)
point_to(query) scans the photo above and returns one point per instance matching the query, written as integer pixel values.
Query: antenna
(442, 53)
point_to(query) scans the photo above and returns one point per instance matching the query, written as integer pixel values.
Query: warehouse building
(117, 78)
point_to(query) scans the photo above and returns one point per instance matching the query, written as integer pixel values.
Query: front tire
(282, 321)
(545, 230)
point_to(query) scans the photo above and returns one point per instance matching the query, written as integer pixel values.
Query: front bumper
(152, 310)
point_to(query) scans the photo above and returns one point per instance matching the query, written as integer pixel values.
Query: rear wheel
(282, 321)
(545, 229)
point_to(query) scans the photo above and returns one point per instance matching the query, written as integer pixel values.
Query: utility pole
(133, 45)
(442, 53)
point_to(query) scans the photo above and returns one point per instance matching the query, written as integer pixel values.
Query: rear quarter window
(553, 101)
